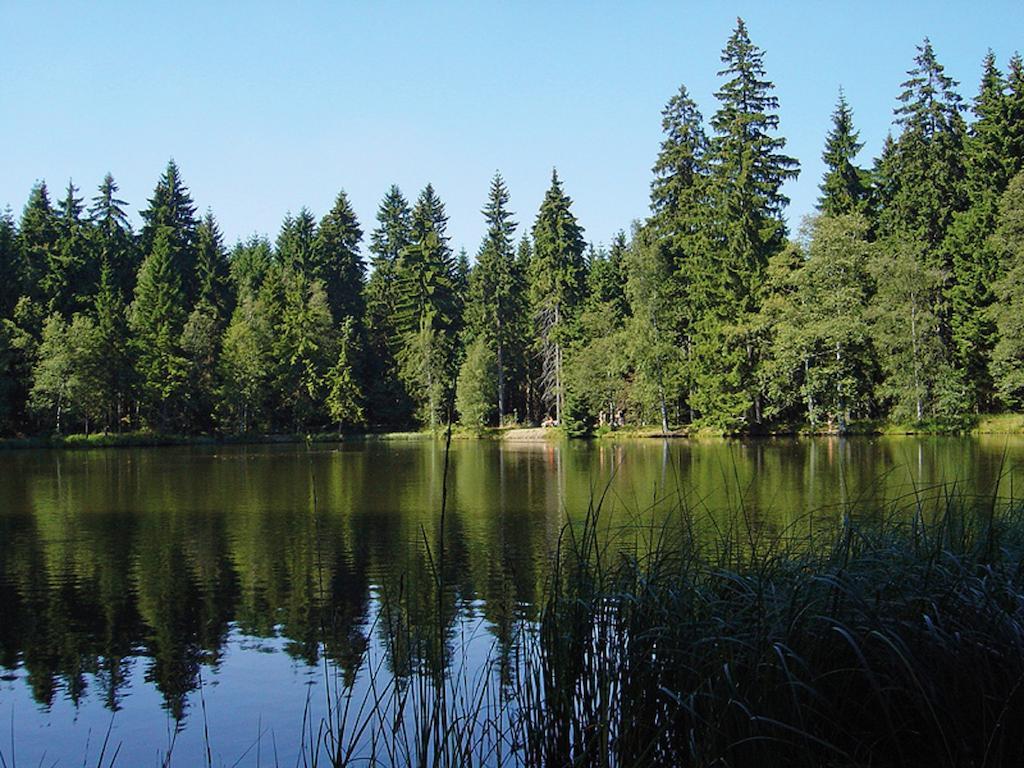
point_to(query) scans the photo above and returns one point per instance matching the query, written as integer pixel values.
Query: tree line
(901, 299)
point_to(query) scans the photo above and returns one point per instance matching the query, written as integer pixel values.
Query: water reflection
(164, 555)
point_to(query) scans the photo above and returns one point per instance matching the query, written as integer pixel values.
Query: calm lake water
(172, 592)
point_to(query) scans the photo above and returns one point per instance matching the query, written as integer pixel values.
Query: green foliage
(557, 280)
(64, 377)
(344, 395)
(171, 215)
(1008, 310)
(821, 337)
(157, 317)
(497, 302)
(917, 380)
(844, 188)
(339, 266)
(37, 238)
(478, 382)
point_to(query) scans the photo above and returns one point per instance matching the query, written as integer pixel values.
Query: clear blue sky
(281, 105)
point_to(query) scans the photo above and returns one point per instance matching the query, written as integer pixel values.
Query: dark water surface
(171, 593)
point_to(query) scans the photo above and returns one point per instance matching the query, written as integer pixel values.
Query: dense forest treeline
(902, 299)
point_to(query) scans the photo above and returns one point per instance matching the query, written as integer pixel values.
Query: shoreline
(1003, 424)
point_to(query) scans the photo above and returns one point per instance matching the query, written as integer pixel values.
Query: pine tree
(557, 287)
(10, 264)
(37, 235)
(387, 400)
(304, 348)
(116, 376)
(157, 317)
(929, 172)
(213, 271)
(295, 245)
(845, 187)
(1007, 366)
(748, 170)
(113, 236)
(70, 280)
(171, 209)
(344, 393)
(681, 168)
(426, 310)
(975, 266)
(498, 291)
(340, 266)
(674, 247)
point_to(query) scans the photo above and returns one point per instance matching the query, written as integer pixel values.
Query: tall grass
(895, 642)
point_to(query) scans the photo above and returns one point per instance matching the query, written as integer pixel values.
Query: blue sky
(279, 105)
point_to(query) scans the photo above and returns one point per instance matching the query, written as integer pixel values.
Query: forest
(901, 300)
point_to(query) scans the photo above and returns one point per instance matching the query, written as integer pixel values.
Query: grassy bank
(894, 642)
(1002, 424)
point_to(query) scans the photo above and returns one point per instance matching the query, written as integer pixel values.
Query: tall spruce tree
(213, 270)
(1007, 366)
(748, 170)
(339, 265)
(171, 209)
(387, 401)
(117, 373)
(10, 264)
(426, 309)
(69, 283)
(295, 248)
(557, 287)
(37, 238)
(927, 192)
(845, 187)
(157, 316)
(673, 250)
(113, 238)
(497, 290)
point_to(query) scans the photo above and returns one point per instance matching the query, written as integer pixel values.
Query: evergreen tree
(387, 400)
(113, 237)
(498, 291)
(845, 187)
(200, 349)
(1008, 311)
(656, 354)
(478, 379)
(928, 174)
(244, 364)
(426, 314)
(37, 235)
(116, 375)
(296, 242)
(303, 349)
(172, 212)
(557, 287)
(157, 317)
(340, 267)
(748, 170)
(70, 280)
(213, 271)
(249, 264)
(680, 171)
(10, 264)
(344, 393)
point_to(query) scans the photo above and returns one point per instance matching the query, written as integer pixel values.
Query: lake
(184, 598)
